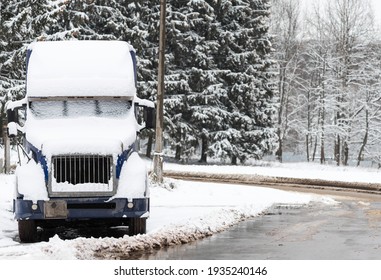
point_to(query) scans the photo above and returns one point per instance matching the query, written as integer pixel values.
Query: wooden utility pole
(7, 149)
(158, 156)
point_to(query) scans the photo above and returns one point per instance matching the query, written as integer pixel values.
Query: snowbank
(287, 170)
(8, 227)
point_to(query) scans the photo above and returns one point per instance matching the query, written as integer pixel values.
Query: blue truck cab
(82, 118)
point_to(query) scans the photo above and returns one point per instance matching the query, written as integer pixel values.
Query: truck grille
(82, 169)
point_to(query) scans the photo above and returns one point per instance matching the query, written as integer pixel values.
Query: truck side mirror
(12, 129)
(12, 115)
(12, 118)
(150, 117)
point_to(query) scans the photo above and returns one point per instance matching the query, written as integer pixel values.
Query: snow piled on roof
(80, 68)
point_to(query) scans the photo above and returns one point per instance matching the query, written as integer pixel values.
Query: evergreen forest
(244, 79)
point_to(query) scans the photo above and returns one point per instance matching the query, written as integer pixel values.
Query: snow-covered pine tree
(90, 20)
(244, 57)
(59, 20)
(143, 34)
(177, 114)
(9, 84)
(207, 96)
(21, 23)
(216, 61)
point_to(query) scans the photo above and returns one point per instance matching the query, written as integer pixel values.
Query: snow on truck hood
(90, 135)
(80, 68)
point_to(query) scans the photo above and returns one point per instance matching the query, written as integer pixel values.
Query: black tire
(27, 231)
(137, 226)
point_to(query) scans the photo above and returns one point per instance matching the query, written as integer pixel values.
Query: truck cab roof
(81, 68)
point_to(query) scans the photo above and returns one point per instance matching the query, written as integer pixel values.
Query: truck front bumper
(81, 208)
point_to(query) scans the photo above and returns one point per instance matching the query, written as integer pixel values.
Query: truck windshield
(45, 109)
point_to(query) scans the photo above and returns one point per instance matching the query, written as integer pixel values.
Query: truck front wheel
(137, 226)
(27, 231)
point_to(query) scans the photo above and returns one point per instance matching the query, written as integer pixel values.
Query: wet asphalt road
(350, 230)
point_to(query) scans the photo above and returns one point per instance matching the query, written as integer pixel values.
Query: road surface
(349, 230)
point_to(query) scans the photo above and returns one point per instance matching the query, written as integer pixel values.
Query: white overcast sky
(377, 10)
(376, 5)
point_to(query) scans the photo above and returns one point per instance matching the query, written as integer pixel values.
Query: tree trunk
(234, 160)
(178, 152)
(279, 152)
(322, 119)
(204, 148)
(337, 150)
(282, 104)
(365, 139)
(345, 153)
(322, 149)
(307, 147)
(149, 145)
(308, 126)
(322, 154)
(315, 148)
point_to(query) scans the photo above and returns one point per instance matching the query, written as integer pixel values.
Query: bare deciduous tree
(285, 27)
(349, 23)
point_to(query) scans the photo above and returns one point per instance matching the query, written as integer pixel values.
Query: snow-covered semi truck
(81, 124)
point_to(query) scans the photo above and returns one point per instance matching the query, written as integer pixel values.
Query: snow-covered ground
(288, 170)
(187, 212)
